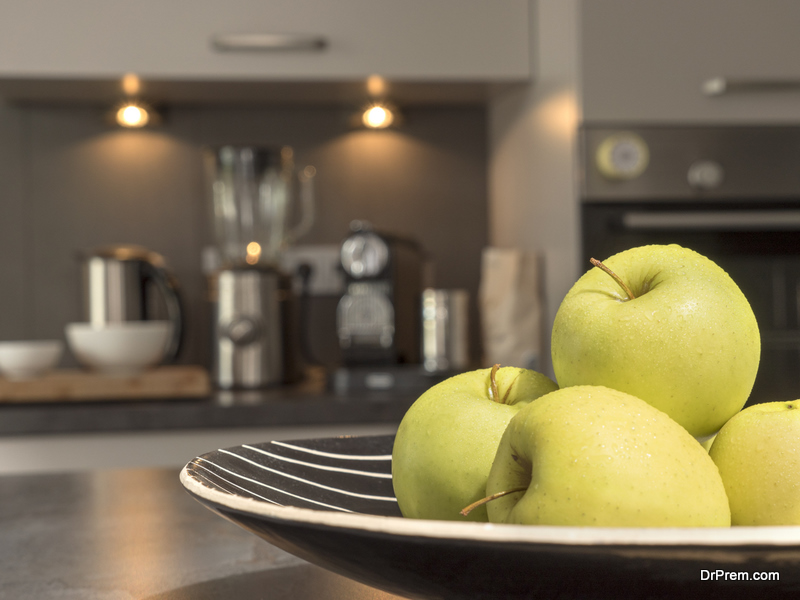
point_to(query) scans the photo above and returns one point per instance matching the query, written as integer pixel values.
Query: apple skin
(447, 440)
(593, 456)
(758, 456)
(688, 343)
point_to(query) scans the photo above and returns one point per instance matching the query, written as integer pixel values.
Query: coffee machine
(379, 314)
(256, 194)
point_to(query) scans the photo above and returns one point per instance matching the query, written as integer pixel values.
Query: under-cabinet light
(132, 115)
(378, 116)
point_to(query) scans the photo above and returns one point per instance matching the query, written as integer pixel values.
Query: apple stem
(616, 277)
(493, 384)
(482, 501)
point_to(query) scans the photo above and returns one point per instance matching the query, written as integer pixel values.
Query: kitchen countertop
(136, 534)
(311, 402)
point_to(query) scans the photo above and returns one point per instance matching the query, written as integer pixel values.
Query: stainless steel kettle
(117, 286)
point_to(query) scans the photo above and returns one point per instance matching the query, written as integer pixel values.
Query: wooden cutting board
(77, 385)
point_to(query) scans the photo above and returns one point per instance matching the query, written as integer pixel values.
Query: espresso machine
(260, 204)
(379, 315)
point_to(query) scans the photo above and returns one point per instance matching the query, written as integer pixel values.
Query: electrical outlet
(326, 278)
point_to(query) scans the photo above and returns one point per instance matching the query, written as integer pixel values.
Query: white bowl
(119, 348)
(29, 359)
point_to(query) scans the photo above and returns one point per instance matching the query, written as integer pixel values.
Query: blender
(260, 204)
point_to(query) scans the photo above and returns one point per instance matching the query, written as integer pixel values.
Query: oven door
(757, 243)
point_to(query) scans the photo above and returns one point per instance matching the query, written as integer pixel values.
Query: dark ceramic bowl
(330, 501)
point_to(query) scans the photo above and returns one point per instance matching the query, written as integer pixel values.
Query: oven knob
(705, 175)
(622, 156)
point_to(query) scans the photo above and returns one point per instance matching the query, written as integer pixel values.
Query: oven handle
(745, 220)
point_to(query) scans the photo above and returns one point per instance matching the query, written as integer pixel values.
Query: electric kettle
(125, 283)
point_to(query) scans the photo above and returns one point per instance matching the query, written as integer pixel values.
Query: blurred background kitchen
(513, 122)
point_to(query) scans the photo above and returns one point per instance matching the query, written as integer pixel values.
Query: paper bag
(511, 311)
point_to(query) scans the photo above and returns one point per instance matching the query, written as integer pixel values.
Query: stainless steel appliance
(255, 328)
(379, 314)
(729, 192)
(131, 283)
(260, 204)
(445, 335)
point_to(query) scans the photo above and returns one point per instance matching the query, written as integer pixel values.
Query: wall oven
(731, 193)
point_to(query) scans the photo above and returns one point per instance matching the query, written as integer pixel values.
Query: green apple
(447, 439)
(593, 456)
(758, 456)
(682, 337)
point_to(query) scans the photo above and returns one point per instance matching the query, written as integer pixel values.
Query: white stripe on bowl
(275, 489)
(308, 482)
(317, 465)
(333, 454)
(236, 485)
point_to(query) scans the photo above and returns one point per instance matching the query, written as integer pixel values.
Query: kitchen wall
(70, 181)
(532, 163)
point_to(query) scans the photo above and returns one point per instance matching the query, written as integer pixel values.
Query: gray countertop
(136, 534)
(312, 402)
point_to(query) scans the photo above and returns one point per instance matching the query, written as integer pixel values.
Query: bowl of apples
(503, 483)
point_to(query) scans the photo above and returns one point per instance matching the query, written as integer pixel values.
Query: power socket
(327, 278)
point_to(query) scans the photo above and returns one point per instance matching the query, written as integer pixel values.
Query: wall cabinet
(648, 61)
(454, 40)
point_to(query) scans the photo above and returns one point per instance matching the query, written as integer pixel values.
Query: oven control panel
(674, 163)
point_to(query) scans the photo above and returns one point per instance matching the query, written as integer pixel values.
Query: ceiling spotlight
(378, 116)
(132, 115)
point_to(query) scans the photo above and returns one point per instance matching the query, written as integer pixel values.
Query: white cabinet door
(648, 61)
(467, 40)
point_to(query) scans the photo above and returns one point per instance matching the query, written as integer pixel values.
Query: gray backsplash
(70, 181)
